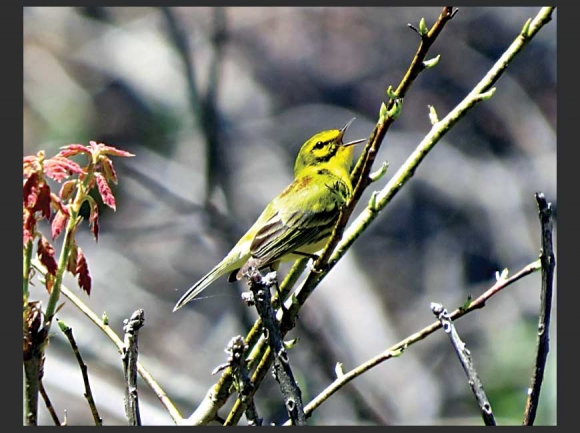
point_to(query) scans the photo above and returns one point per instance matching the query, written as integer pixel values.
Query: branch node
(433, 117)
(485, 95)
(395, 111)
(526, 28)
(377, 175)
(431, 62)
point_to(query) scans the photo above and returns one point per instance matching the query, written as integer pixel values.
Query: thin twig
(398, 348)
(131, 327)
(466, 362)
(237, 349)
(48, 403)
(67, 330)
(260, 287)
(109, 332)
(543, 346)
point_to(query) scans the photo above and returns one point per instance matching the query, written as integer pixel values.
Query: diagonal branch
(402, 345)
(466, 362)
(360, 173)
(48, 403)
(67, 330)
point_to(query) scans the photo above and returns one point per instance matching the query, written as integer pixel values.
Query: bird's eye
(319, 145)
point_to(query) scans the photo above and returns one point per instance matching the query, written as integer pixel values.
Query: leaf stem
(72, 224)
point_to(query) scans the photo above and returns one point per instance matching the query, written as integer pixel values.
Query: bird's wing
(306, 213)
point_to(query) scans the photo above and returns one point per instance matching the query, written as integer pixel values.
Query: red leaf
(29, 195)
(103, 149)
(58, 223)
(59, 168)
(73, 149)
(67, 189)
(28, 226)
(30, 163)
(43, 201)
(82, 269)
(57, 204)
(46, 255)
(108, 169)
(29, 160)
(105, 191)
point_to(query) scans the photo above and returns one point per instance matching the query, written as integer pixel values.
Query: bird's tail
(221, 269)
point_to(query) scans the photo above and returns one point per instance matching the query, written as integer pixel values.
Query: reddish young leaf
(59, 168)
(43, 202)
(29, 160)
(57, 204)
(105, 191)
(82, 269)
(73, 149)
(29, 194)
(31, 163)
(108, 169)
(28, 226)
(58, 224)
(67, 189)
(103, 149)
(45, 253)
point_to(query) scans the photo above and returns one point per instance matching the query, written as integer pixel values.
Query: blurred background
(215, 103)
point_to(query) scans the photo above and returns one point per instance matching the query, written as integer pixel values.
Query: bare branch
(398, 348)
(67, 331)
(260, 287)
(548, 263)
(130, 353)
(48, 403)
(466, 362)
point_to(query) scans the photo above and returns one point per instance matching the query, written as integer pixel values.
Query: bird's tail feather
(202, 284)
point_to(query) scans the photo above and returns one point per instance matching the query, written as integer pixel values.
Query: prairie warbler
(299, 221)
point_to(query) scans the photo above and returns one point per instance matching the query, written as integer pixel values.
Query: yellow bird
(299, 221)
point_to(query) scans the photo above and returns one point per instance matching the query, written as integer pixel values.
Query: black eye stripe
(319, 145)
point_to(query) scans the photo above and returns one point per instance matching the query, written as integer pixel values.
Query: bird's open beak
(343, 130)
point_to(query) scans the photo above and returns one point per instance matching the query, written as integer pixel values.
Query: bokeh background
(215, 103)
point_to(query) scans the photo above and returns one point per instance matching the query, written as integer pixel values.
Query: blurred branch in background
(283, 74)
(203, 104)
